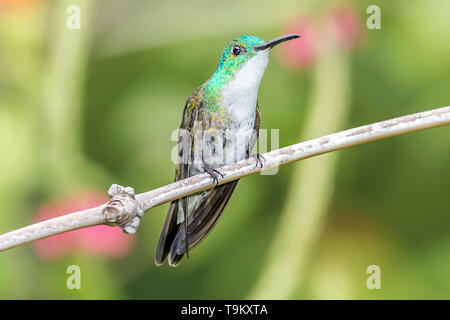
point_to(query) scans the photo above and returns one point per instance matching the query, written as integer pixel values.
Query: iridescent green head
(244, 60)
(237, 52)
(242, 49)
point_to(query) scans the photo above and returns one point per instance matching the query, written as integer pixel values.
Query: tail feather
(168, 234)
(201, 222)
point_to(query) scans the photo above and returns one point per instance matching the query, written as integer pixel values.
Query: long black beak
(272, 43)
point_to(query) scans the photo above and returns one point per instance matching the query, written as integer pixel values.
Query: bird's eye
(236, 50)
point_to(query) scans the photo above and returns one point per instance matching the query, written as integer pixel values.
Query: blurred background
(83, 108)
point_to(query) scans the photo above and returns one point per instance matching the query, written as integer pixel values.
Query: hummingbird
(220, 125)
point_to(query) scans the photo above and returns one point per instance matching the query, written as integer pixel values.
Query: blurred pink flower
(347, 25)
(301, 53)
(97, 240)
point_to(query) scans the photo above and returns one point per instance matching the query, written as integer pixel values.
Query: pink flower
(347, 25)
(302, 52)
(96, 241)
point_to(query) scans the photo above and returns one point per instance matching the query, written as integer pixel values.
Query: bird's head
(251, 52)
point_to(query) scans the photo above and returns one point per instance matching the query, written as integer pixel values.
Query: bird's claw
(213, 173)
(258, 160)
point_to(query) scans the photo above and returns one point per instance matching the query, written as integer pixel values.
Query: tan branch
(126, 209)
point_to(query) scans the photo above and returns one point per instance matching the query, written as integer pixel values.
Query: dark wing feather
(191, 113)
(205, 217)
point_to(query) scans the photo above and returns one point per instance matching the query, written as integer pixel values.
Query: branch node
(123, 209)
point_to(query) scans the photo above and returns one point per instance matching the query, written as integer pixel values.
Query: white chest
(240, 95)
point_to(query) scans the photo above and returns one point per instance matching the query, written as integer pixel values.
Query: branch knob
(123, 209)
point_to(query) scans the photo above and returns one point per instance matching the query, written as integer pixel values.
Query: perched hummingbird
(220, 125)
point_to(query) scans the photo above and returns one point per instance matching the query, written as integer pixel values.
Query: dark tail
(172, 241)
(168, 234)
(201, 221)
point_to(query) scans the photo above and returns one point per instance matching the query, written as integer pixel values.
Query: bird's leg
(212, 172)
(258, 160)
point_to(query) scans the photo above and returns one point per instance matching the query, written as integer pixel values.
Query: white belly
(229, 146)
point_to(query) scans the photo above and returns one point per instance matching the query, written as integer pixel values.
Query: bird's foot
(213, 173)
(259, 160)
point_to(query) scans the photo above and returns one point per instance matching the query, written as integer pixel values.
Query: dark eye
(237, 50)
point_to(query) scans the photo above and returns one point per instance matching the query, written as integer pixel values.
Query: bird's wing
(255, 134)
(205, 217)
(192, 112)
